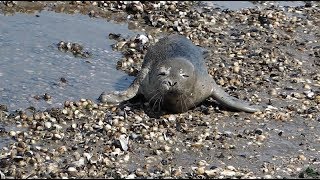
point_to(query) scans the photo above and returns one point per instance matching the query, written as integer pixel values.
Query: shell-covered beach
(267, 54)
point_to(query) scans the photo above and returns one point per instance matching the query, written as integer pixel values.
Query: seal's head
(173, 80)
(174, 77)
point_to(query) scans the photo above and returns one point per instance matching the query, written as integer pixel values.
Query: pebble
(211, 172)
(124, 142)
(12, 133)
(267, 176)
(138, 118)
(309, 94)
(57, 126)
(47, 125)
(72, 169)
(273, 92)
(228, 173)
(302, 157)
(57, 136)
(172, 118)
(131, 176)
(261, 138)
(2, 176)
(236, 69)
(307, 86)
(144, 39)
(62, 149)
(200, 170)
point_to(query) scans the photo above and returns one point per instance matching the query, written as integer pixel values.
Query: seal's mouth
(173, 93)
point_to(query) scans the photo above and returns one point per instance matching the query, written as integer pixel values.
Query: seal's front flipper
(120, 96)
(113, 97)
(231, 102)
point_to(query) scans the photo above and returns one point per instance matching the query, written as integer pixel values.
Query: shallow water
(32, 65)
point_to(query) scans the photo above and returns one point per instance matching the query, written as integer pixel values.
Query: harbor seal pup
(174, 77)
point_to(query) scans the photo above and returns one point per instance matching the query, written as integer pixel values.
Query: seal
(174, 77)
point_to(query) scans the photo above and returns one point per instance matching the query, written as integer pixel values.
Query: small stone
(307, 86)
(273, 92)
(140, 173)
(211, 172)
(309, 94)
(57, 136)
(48, 125)
(74, 125)
(260, 138)
(94, 159)
(172, 7)
(12, 133)
(301, 157)
(64, 175)
(124, 142)
(231, 168)
(2, 176)
(138, 118)
(308, 4)
(131, 176)
(107, 162)
(166, 148)
(200, 170)
(296, 95)
(76, 112)
(268, 176)
(72, 169)
(228, 173)
(144, 39)
(65, 111)
(202, 163)
(57, 126)
(281, 68)
(87, 155)
(46, 97)
(236, 69)
(172, 118)
(258, 131)
(123, 130)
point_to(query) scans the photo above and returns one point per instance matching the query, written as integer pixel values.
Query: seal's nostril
(172, 84)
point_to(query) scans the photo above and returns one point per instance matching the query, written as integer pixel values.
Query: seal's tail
(231, 102)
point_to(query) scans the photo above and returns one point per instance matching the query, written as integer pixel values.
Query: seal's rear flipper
(231, 102)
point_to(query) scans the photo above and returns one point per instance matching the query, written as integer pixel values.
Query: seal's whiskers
(155, 95)
(189, 99)
(185, 105)
(155, 103)
(160, 102)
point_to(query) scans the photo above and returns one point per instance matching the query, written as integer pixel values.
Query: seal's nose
(172, 83)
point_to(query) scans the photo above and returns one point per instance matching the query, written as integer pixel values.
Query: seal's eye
(185, 75)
